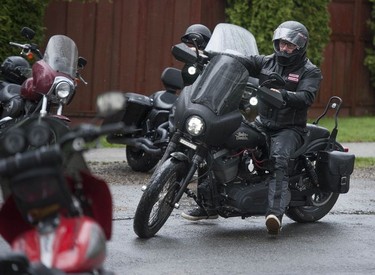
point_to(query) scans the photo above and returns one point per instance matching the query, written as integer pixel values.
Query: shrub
(17, 14)
(370, 52)
(262, 17)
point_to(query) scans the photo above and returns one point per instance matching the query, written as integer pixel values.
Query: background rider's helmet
(191, 32)
(15, 69)
(293, 32)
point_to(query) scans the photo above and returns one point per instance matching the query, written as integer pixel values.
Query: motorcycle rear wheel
(321, 203)
(155, 205)
(139, 160)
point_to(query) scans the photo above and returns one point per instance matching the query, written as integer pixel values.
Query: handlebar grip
(45, 155)
(23, 46)
(271, 97)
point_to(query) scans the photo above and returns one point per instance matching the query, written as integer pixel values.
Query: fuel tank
(76, 245)
(246, 136)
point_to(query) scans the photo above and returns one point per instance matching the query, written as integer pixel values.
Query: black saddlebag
(334, 169)
(136, 109)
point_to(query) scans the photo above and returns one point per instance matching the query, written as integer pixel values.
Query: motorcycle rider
(189, 35)
(284, 127)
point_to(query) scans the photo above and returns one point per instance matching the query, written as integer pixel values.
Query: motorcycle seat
(9, 91)
(12, 103)
(313, 132)
(164, 100)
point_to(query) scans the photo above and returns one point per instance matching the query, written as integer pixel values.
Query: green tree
(17, 14)
(25, 13)
(262, 17)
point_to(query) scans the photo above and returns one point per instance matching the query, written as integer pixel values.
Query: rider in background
(190, 34)
(285, 128)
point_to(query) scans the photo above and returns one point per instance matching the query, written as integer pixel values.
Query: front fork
(194, 163)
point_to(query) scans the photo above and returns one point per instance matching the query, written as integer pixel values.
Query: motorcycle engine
(247, 199)
(243, 189)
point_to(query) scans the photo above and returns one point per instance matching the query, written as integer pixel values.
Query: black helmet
(191, 34)
(295, 33)
(15, 69)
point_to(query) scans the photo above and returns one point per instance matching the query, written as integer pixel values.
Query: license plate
(188, 144)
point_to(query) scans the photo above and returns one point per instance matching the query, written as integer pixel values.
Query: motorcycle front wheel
(155, 205)
(139, 160)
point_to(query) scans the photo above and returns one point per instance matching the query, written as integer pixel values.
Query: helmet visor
(293, 36)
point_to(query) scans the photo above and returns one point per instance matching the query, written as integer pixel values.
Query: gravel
(119, 173)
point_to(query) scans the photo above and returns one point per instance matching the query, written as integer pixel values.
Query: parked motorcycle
(58, 215)
(227, 157)
(51, 86)
(13, 72)
(146, 133)
(145, 119)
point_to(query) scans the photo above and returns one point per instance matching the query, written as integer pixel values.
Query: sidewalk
(359, 149)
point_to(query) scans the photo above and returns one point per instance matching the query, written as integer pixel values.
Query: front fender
(180, 156)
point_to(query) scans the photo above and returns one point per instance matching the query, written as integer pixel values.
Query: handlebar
(90, 132)
(45, 155)
(27, 48)
(52, 154)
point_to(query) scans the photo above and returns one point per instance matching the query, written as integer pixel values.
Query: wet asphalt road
(340, 243)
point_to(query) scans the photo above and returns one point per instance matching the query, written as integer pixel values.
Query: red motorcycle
(52, 85)
(58, 215)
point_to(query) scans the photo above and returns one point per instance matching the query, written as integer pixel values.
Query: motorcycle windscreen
(221, 85)
(100, 207)
(62, 55)
(231, 37)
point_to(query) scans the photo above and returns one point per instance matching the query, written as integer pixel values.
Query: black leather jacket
(302, 84)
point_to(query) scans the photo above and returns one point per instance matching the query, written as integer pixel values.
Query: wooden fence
(127, 45)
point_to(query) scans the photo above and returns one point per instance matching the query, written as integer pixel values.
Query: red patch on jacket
(293, 77)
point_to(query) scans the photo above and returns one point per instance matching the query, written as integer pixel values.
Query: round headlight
(192, 70)
(195, 125)
(63, 89)
(253, 101)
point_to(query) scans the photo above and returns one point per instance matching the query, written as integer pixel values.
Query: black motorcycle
(213, 146)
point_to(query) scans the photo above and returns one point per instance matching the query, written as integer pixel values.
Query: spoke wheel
(155, 205)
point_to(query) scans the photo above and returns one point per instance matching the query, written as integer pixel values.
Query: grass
(352, 129)
(361, 162)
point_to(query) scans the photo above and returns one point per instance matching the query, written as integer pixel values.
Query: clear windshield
(223, 81)
(221, 85)
(227, 37)
(62, 55)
